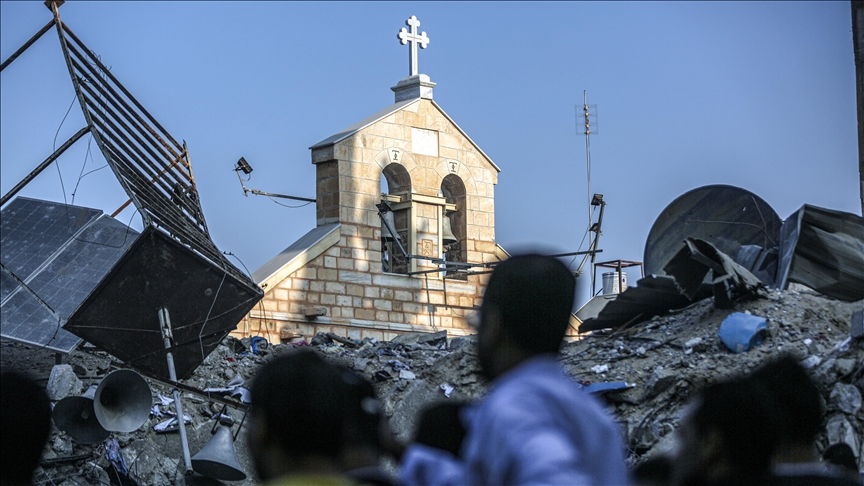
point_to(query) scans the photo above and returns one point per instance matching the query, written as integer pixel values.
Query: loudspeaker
(217, 459)
(76, 417)
(122, 401)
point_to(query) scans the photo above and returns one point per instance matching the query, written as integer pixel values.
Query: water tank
(610, 283)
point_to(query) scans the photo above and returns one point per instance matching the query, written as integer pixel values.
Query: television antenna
(584, 126)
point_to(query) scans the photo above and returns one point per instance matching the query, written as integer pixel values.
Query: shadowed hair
(25, 413)
(741, 413)
(533, 296)
(363, 413)
(301, 398)
(797, 405)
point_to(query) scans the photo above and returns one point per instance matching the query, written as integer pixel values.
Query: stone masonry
(338, 284)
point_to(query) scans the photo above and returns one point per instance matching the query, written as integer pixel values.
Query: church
(405, 231)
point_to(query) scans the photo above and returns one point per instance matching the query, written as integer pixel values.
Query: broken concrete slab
(62, 383)
(846, 397)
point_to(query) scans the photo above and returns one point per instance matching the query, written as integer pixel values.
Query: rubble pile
(655, 366)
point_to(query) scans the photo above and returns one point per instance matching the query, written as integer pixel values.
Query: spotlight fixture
(595, 201)
(244, 166)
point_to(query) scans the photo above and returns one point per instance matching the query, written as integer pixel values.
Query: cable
(81, 174)
(287, 206)
(583, 238)
(228, 253)
(212, 304)
(57, 162)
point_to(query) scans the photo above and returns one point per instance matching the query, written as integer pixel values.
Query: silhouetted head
(727, 436)
(25, 415)
(362, 422)
(797, 407)
(297, 415)
(525, 311)
(841, 455)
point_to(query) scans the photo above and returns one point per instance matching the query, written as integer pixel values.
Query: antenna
(589, 113)
(584, 126)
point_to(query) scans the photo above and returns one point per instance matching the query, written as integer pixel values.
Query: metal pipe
(57, 153)
(393, 232)
(165, 325)
(262, 193)
(26, 45)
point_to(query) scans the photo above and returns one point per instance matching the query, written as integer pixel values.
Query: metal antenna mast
(587, 148)
(594, 200)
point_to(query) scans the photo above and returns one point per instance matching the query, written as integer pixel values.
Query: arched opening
(453, 190)
(395, 181)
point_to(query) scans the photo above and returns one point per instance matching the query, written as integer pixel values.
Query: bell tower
(436, 187)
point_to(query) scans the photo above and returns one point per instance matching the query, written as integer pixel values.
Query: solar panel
(61, 253)
(32, 230)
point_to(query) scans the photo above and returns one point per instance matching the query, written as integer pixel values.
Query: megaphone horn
(217, 459)
(76, 417)
(122, 401)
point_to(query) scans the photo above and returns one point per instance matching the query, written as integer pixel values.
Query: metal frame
(151, 166)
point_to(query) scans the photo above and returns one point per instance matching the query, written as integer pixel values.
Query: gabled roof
(353, 129)
(298, 254)
(363, 124)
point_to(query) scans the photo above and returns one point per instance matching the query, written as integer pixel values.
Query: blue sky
(758, 94)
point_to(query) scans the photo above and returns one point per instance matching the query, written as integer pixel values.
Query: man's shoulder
(539, 383)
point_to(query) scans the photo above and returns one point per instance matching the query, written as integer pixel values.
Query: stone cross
(412, 37)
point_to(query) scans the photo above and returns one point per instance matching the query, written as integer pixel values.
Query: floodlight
(244, 166)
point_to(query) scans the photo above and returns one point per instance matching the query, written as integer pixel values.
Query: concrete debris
(846, 397)
(653, 368)
(599, 369)
(62, 383)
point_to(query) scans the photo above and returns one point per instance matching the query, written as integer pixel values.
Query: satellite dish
(730, 218)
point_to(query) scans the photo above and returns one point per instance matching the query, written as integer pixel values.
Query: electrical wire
(54, 149)
(583, 238)
(212, 304)
(287, 206)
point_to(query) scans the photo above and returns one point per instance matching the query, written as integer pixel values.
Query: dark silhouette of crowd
(312, 422)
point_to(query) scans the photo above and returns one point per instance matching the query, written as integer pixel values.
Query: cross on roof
(412, 37)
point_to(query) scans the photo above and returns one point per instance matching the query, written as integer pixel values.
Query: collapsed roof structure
(173, 264)
(733, 243)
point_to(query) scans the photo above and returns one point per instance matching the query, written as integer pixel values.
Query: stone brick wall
(346, 284)
(358, 300)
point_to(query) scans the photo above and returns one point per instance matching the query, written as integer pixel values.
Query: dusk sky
(759, 95)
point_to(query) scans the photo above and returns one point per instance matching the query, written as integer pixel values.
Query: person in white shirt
(535, 426)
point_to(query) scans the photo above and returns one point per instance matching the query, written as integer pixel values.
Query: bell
(386, 235)
(122, 402)
(447, 232)
(76, 417)
(217, 459)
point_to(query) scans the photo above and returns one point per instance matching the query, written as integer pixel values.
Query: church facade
(413, 167)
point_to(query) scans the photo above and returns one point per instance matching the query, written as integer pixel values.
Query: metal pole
(393, 232)
(596, 242)
(44, 165)
(167, 337)
(26, 45)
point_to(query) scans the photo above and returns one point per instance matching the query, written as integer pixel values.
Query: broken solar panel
(61, 253)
